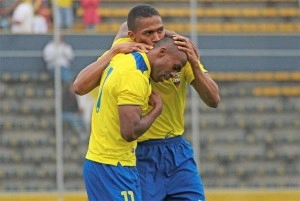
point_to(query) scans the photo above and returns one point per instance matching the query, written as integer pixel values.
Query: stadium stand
(244, 143)
(252, 137)
(249, 134)
(249, 142)
(249, 138)
(225, 16)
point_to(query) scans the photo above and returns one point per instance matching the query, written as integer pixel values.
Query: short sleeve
(133, 89)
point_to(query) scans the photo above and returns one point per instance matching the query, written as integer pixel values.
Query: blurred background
(247, 149)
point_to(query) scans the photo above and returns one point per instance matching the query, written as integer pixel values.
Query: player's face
(166, 67)
(149, 30)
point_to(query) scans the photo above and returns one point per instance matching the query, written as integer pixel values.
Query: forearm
(123, 31)
(89, 77)
(206, 87)
(203, 83)
(145, 122)
(133, 124)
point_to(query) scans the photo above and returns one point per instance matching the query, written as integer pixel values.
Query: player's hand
(131, 47)
(186, 45)
(155, 101)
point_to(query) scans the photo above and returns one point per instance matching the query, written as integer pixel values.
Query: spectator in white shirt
(39, 24)
(22, 17)
(59, 54)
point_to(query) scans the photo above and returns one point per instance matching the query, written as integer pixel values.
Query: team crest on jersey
(176, 79)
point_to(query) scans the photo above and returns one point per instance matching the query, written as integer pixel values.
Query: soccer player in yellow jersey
(164, 159)
(122, 114)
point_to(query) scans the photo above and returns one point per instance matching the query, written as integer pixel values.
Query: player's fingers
(186, 50)
(190, 52)
(144, 46)
(139, 49)
(181, 43)
(184, 44)
(180, 38)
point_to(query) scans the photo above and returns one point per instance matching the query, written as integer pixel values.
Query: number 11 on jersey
(127, 194)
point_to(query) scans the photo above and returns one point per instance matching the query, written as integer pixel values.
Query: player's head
(145, 24)
(165, 60)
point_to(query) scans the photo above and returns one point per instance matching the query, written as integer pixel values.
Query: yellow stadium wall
(212, 195)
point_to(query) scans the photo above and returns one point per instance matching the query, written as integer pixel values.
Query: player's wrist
(114, 50)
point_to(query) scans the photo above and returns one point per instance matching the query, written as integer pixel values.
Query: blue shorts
(108, 182)
(168, 170)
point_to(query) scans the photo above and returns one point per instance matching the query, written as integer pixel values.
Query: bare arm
(204, 85)
(207, 89)
(133, 124)
(123, 31)
(89, 77)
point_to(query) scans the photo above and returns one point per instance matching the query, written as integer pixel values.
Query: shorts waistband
(161, 141)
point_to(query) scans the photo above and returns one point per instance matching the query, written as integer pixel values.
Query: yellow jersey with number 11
(124, 82)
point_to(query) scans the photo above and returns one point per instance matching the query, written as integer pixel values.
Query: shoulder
(122, 40)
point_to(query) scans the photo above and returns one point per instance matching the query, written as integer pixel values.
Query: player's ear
(131, 35)
(162, 52)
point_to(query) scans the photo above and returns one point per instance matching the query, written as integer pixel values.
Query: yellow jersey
(125, 81)
(173, 92)
(170, 122)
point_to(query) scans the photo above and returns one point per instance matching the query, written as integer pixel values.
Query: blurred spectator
(86, 102)
(6, 9)
(71, 112)
(42, 8)
(90, 13)
(39, 24)
(59, 54)
(65, 12)
(22, 17)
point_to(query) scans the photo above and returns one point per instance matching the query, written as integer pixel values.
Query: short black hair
(140, 11)
(165, 40)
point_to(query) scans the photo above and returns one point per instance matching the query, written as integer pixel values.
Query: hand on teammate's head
(131, 47)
